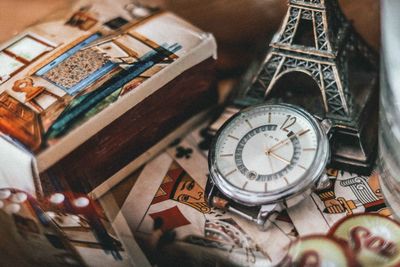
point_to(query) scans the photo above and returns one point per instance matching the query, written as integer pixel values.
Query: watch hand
(285, 141)
(279, 157)
(269, 160)
(281, 143)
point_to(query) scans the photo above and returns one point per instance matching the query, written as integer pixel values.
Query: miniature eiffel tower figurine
(317, 61)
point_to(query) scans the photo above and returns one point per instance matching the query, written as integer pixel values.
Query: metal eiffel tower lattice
(325, 61)
(316, 39)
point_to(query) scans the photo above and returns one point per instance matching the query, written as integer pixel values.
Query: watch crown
(326, 125)
(323, 182)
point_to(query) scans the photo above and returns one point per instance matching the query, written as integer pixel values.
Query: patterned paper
(76, 68)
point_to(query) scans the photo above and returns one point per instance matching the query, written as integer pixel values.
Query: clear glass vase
(389, 128)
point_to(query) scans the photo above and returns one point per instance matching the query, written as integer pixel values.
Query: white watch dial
(267, 148)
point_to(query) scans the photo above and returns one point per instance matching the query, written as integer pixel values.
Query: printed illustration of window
(130, 47)
(124, 49)
(78, 67)
(20, 54)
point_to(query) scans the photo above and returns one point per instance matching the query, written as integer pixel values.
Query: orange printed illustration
(364, 193)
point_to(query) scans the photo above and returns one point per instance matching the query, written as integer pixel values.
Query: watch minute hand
(281, 143)
(284, 141)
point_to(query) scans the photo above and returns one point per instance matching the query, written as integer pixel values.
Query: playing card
(284, 223)
(168, 200)
(307, 218)
(201, 137)
(347, 194)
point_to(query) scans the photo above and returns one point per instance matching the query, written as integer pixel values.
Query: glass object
(389, 128)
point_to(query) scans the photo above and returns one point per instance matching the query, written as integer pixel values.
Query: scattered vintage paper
(348, 194)
(170, 189)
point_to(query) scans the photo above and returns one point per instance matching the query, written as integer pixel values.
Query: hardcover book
(83, 96)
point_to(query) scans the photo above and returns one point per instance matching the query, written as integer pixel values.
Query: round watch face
(267, 149)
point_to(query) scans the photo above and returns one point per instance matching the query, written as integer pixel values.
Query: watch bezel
(307, 181)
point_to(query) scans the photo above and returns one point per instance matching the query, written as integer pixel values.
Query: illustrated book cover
(83, 96)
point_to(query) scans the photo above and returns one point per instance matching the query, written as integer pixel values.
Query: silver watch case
(288, 197)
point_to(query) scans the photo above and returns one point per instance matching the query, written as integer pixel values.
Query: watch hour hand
(279, 158)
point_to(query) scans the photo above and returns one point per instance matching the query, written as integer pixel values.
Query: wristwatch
(266, 158)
